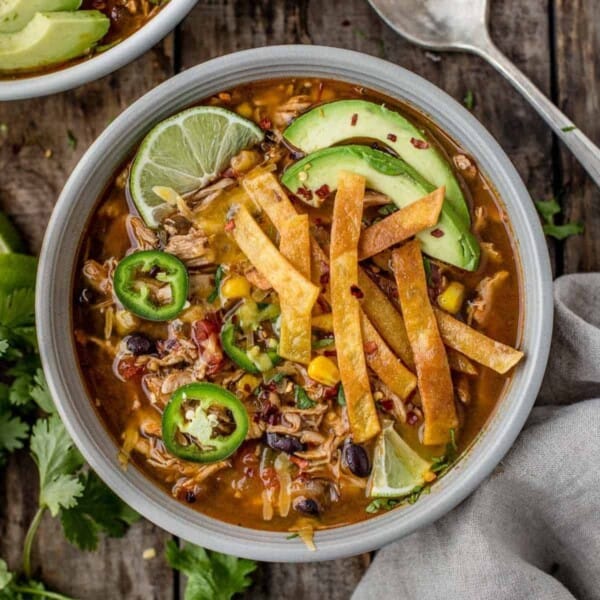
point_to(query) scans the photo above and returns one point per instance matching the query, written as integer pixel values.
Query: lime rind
(187, 152)
(397, 468)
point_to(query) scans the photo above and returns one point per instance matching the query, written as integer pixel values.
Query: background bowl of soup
(75, 213)
(117, 35)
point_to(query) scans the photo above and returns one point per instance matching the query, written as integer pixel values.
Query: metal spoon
(462, 25)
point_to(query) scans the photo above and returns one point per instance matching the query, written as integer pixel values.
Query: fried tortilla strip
(295, 338)
(477, 346)
(266, 192)
(433, 372)
(402, 224)
(291, 285)
(459, 362)
(347, 215)
(384, 362)
(386, 318)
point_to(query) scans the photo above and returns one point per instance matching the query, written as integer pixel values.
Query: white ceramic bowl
(79, 198)
(101, 64)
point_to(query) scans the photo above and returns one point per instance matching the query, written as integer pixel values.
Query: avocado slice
(335, 122)
(15, 14)
(51, 38)
(315, 176)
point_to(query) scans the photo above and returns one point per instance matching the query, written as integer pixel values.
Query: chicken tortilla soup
(296, 305)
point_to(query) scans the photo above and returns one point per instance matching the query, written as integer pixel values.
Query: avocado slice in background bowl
(50, 38)
(15, 14)
(342, 120)
(315, 176)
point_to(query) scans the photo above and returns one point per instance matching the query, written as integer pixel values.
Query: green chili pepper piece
(204, 423)
(241, 357)
(133, 276)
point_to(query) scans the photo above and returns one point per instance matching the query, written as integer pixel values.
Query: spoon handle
(586, 152)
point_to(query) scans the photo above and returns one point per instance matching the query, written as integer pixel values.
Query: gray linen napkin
(532, 530)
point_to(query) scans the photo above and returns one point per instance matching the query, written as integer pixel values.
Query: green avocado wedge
(15, 14)
(317, 174)
(51, 38)
(342, 120)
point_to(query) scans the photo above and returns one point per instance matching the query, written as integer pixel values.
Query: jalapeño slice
(253, 360)
(140, 278)
(204, 423)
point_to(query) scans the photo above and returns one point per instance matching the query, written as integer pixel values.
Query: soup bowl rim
(79, 197)
(99, 65)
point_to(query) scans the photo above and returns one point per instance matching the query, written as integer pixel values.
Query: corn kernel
(245, 110)
(452, 298)
(323, 370)
(247, 384)
(235, 286)
(323, 322)
(429, 476)
(125, 322)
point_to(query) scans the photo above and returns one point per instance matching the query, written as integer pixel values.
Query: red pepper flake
(230, 225)
(320, 91)
(128, 369)
(265, 123)
(420, 144)
(392, 137)
(305, 193)
(324, 279)
(329, 353)
(354, 119)
(387, 405)
(301, 463)
(412, 418)
(370, 347)
(323, 191)
(356, 292)
(330, 392)
(437, 233)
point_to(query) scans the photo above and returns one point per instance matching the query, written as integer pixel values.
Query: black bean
(138, 343)
(284, 443)
(190, 497)
(307, 506)
(357, 459)
(154, 271)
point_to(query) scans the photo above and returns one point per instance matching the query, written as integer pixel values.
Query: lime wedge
(397, 468)
(186, 152)
(10, 240)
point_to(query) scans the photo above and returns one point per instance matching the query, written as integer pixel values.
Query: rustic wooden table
(555, 42)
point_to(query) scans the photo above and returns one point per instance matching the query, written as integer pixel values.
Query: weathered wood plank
(577, 38)
(37, 154)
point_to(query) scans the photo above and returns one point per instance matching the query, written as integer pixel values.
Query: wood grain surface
(555, 42)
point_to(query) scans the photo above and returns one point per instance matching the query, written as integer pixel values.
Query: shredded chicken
(257, 279)
(480, 309)
(99, 276)
(289, 110)
(192, 248)
(143, 237)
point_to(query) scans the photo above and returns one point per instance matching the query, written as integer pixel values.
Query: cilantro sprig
(210, 575)
(548, 210)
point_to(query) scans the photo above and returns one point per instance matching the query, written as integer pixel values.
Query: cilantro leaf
(41, 394)
(17, 308)
(548, 209)
(387, 209)
(5, 575)
(13, 431)
(19, 390)
(469, 100)
(211, 575)
(12, 589)
(302, 399)
(561, 232)
(3, 347)
(57, 459)
(341, 396)
(98, 509)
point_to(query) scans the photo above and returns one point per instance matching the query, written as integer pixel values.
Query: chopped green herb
(568, 128)
(277, 378)
(387, 209)
(341, 396)
(218, 279)
(469, 100)
(548, 210)
(302, 399)
(323, 343)
(417, 493)
(292, 536)
(381, 504)
(71, 139)
(427, 267)
(211, 575)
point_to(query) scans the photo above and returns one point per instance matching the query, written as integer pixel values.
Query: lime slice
(397, 468)
(10, 240)
(186, 152)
